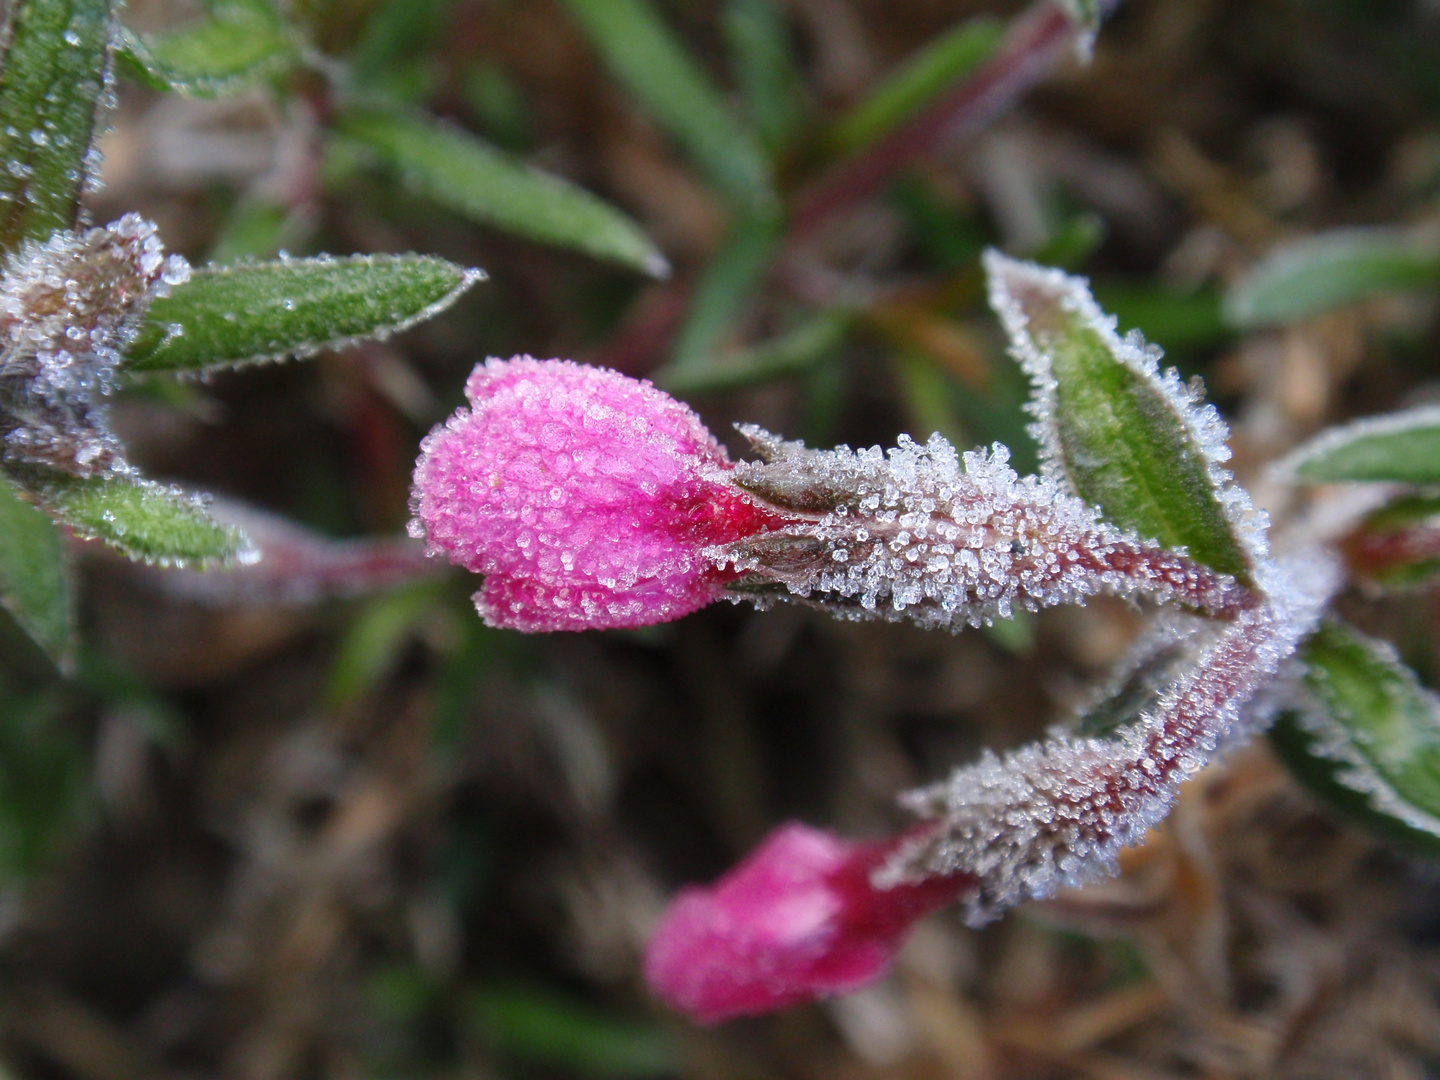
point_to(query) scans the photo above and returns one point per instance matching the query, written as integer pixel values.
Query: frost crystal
(68, 308)
(921, 533)
(1055, 814)
(1036, 304)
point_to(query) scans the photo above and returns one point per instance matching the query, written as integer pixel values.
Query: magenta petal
(586, 497)
(796, 920)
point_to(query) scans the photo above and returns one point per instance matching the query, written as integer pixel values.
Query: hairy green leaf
(294, 307)
(945, 60)
(1402, 447)
(52, 90)
(470, 177)
(1368, 739)
(145, 520)
(1137, 443)
(1397, 546)
(34, 579)
(1306, 277)
(646, 57)
(235, 48)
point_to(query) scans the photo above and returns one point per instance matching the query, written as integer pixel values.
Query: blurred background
(314, 820)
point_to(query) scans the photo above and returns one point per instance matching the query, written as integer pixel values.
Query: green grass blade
(52, 83)
(648, 59)
(945, 60)
(267, 311)
(765, 69)
(472, 178)
(34, 578)
(726, 286)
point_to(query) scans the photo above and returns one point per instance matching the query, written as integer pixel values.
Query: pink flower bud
(797, 920)
(585, 497)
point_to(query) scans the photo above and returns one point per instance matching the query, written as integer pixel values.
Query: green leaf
(1153, 669)
(373, 639)
(1134, 442)
(1309, 276)
(1182, 320)
(943, 62)
(44, 769)
(470, 177)
(765, 68)
(145, 520)
(1402, 447)
(52, 81)
(34, 578)
(790, 354)
(1367, 741)
(239, 46)
(650, 61)
(548, 1030)
(257, 228)
(726, 285)
(1398, 546)
(294, 307)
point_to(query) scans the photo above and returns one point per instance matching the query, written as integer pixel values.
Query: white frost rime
(1055, 814)
(921, 533)
(68, 308)
(1027, 296)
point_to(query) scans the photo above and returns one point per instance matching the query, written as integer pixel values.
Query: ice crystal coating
(1343, 437)
(798, 919)
(1055, 814)
(1020, 292)
(922, 533)
(68, 308)
(587, 498)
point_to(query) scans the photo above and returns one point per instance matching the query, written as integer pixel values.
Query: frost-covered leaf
(53, 77)
(567, 1036)
(1055, 814)
(945, 60)
(1305, 277)
(1154, 667)
(1397, 546)
(34, 579)
(1402, 447)
(145, 520)
(1366, 738)
(68, 306)
(653, 65)
(1134, 441)
(294, 307)
(234, 48)
(469, 176)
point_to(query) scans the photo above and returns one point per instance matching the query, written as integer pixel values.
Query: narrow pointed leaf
(1137, 443)
(146, 521)
(1402, 447)
(294, 307)
(791, 353)
(944, 61)
(1309, 276)
(1367, 741)
(221, 55)
(34, 580)
(473, 178)
(650, 61)
(725, 287)
(52, 87)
